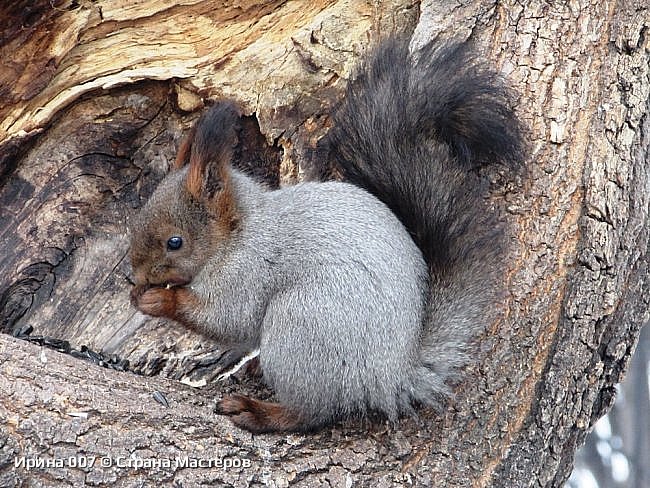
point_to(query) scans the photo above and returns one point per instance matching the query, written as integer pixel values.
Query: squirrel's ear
(207, 177)
(209, 149)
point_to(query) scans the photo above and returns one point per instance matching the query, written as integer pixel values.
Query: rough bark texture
(94, 98)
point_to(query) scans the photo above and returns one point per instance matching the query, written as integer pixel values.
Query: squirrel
(363, 296)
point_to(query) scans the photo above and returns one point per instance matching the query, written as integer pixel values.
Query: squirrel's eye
(174, 243)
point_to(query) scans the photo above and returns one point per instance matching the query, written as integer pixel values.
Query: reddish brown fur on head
(195, 202)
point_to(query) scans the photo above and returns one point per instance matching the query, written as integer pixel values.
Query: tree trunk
(94, 98)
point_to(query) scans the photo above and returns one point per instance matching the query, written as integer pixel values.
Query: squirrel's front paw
(157, 302)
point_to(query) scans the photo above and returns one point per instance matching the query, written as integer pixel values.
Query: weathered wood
(255, 51)
(78, 155)
(67, 409)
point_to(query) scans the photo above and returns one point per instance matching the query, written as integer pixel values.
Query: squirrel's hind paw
(257, 416)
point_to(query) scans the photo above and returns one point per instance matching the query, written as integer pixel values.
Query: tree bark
(94, 99)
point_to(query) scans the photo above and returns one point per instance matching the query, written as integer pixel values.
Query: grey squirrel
(362, 296)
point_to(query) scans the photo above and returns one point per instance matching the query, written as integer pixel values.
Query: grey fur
(319, 263)
(351, 316)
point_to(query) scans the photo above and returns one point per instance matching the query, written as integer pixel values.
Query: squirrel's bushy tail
(412, 130)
